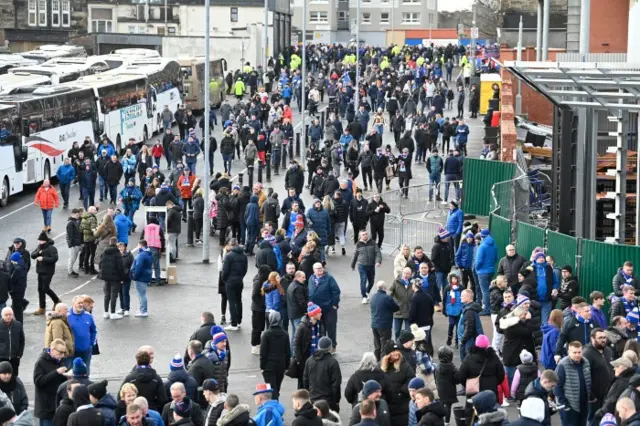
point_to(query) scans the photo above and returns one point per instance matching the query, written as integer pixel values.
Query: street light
(303, 132)
(357, 102)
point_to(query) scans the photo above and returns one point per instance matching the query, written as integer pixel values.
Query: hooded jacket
(234, 267)
(323, 377)
(486, 256)
(320, 223)
(112, 266)
(149, 385)
(49, 254)
(493, 373)
(518, 335)
(270, 414)
(550, 336)
(468, 325)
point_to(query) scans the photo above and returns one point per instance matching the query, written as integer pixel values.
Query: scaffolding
(580, 91)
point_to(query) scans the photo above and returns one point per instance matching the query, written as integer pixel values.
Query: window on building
(365, 1)
(55, 13)
(132, 29)
(410, 1)
(384, 18)
(234, 14)
(319, 1)
(432, 19)
(318, 17)
(66, 13)
(431, 4)
(343, 15)
(411, 18)
(101, 20)
(33, 13)
(42, 13)
(366, 18)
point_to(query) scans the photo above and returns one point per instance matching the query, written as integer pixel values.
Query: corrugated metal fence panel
(529, 237)
(501, 233)
(591, 57)
(563, 248)
(479, 177)
(600, 262)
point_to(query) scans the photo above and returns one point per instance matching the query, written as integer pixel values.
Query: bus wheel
(145, 134)
(5, 193)
(47, 170)
(118, 144)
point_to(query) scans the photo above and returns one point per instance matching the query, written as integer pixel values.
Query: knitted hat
(539, 255)
(370, 387)
(416, 383)
(43, 236)
(6, 414)
(183, 408)
(176, 363)
(633, 317)
(567, 268)
(405, 336)
(469, 235)
(15, 257)
(443, 233)
(98, 390)
(155, 166)
(325, 343)
(313, 309)
(6, 367)
(522, 299)
(418, 333)
(79, 367)
(219, 337)
(210, 385)
(608, 420)
(215, 329)
(263, 388)
(526, 357)
(485, 233)
(236, 187)
(482, 342)
(299, 223)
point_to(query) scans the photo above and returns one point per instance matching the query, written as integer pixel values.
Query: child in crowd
(497, 288)
(452, 305)
(525, 373)
(597, 316)
(445, 379)
(550, 334)
(415, 384)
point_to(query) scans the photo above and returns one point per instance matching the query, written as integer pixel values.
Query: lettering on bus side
(70, 134)
(131, 112)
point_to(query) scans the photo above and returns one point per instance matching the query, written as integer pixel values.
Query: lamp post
(207, 107)
(303, 70)
(357, 101)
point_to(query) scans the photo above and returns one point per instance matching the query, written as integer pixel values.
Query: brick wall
(609, 26)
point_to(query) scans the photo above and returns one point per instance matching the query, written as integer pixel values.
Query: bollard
(260, 167)
(240, 177)
(290, 148)
(298, 144)
(268, 166)
(305, 142)
(322, 118)
(250, 174)
(284, 156)
(190, 229)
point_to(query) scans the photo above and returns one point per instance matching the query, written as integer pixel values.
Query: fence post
(250, 175)
(240, 178)
(284, 155)
(260, 168)
(268, 166)
(578, 258)
(298, 144)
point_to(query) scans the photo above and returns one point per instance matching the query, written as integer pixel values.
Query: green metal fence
(528, 238)
(479, 178)
(564, 249)
(599, 262)
(500, 231)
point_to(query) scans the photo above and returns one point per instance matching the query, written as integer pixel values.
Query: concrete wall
(192, 19)
(557, 37)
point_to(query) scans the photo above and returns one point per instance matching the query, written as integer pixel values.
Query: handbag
(95, 349)
(472, 385)
(390, 172)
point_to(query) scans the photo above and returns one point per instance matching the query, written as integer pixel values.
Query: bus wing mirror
(24, 153)
(224, 64)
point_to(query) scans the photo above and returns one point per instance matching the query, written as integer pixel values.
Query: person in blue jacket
(550, 334)
(252, 222)
(141, 275)
(462, 135)
(191, 150)
(66, 173)
(455, 219)
(124, 226)
(270, 411)
(464, 259)
(485, 264)
(452, 300)
(320, 223)
(324, 292)
(84, 331)
(108, 146)
(130, 197)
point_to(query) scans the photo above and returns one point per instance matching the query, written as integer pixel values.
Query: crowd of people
(574, 359)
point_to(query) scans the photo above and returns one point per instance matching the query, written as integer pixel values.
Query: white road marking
(17, 210)
(79, 287)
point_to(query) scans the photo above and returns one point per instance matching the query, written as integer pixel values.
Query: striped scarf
(315, 337)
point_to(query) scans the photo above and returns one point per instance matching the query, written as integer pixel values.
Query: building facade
(330, 21)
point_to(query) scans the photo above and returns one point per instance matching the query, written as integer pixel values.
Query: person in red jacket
(47, 198)
(157, 152)
(185, 185)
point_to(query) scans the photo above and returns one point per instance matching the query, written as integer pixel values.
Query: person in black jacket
(66, 406)
(202, 334)
(113, 274)
(358, 214)
(623, 370)
(599, 356)
(511, 264)
(46, 257)
(446, 379)
(234, 269)
(48, 374)
(376, 210)
(517, 329)
(266, 256)
(74, 242)
(441, 258)
(13, 387)
(216, 399)
(174, 227)
(258, 307)
(322, 375)
(481, 354)
(297, 301)
(12, 337)
(275, 351)
(112, 174)
(88, 415)
(568, 289)
(422, 306)
(304, 342)
(200, 368)
(294, 178)
(147, 381)
(404, 171)
(577, 328)
(367, 370)
(398, 374)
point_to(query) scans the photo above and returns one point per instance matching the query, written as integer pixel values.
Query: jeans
(511, 371)
(88, 197)
(294, 326)
(397, 326)
(545, 308)
(485, 280)
(367, 274)
(192, 167)
(173, 245)
(125, 297)
(330, 322)
(113, 192)
(340, 229)
(74, 254)
(234, 296)
(103, 188)
(64, 191)
(572, 418)
(456, 186)
(46, 216)
(86, 357)
(464, 348)
(227, 160)
(141, 290)
(156, 262)
(434, 181)
(453, 325)
(380, 338)
(166, 125)
(498, 338)
(169, 158)
(46, 422)
(441, 279)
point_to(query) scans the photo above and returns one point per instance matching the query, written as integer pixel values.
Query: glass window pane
(101, 26)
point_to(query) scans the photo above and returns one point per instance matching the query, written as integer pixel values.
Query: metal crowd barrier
(417, 200)
(399, 231)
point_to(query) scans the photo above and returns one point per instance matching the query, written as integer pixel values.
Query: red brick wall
(609, 26)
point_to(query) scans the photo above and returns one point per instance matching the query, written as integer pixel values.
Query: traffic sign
(460, 29)
(474, 32)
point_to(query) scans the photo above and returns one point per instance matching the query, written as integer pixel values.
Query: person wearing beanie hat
(275, 353)
(86, 414)
(305, 344)
(322, 375)
(176, 363)
(608, 420)
(531, 412)
(178, 373)
(405, 344)
(485, 405)
(103, 401)
(397, 370)
(464, 260)
(485, 266)
(524, 374)
(6, 415)
(569, 288)
(445, 377)
(13, 387)
(15, 257)
(372, 391)
(482, 342)
(481, 354)
(46, 257)
(182, 412)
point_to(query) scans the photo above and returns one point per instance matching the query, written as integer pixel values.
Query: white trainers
(255, 350)
(125, 313)
(231, 327)
(105, 315)
(365, 300)
(141, 314)
(505, 403)
(119, 311)
(115, 316)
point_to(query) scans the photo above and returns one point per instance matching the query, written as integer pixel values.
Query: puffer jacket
(366, 254)
(493, 373)
(402, 295)
(398, 377)
(112, 266)
(486, 257)
(88, 225)
(464, 255)
(495, 297)
(320, 223)
(49, 254)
